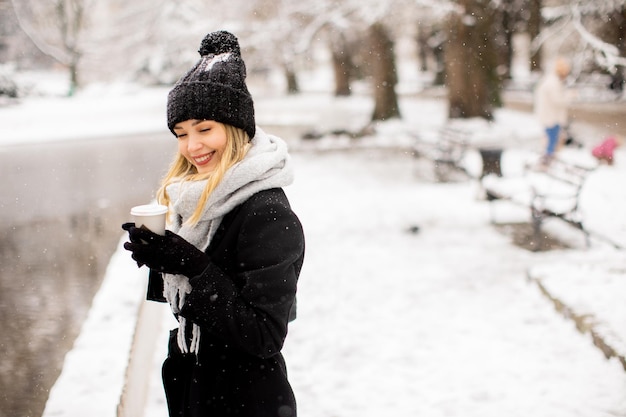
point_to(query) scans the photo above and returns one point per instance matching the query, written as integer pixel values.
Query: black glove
(170, 253)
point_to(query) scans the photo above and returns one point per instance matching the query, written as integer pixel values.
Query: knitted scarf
(266, 165)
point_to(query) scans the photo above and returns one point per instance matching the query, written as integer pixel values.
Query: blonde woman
(229, 262)
(551, 103)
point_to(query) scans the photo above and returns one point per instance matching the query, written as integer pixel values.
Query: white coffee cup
(152, 216)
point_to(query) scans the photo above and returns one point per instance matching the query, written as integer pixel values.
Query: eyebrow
(194, 123)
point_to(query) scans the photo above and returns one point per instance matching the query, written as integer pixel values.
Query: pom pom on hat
(215, 87)
(218, 43)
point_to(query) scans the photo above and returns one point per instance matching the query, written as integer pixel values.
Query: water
(46, 290)
(61, 208)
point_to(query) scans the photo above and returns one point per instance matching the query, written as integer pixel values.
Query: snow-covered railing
(106, 372)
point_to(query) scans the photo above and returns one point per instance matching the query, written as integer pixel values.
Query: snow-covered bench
(550, 191)
(446, 149)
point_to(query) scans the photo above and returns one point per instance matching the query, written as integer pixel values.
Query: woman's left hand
(170, 254)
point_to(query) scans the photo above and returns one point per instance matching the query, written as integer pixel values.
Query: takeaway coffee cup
(152, 216)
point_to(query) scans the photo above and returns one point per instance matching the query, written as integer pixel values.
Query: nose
(193, 143)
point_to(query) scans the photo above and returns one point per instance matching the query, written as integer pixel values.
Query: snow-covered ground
(440, 322)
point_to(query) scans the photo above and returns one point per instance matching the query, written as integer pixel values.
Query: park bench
(451, 149)
(446, 150)
(549, 190)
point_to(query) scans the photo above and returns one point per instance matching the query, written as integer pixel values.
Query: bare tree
(56, 28)
(372, 19)
(589, 28)
(280, 33)
(299, 25)
(607, 20)
(154, 41)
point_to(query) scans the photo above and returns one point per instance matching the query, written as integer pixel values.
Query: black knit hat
(215, 88)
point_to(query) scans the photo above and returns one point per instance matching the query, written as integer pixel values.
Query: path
(606, 117)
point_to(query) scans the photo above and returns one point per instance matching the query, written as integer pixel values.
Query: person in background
(551, 102)
(604, 151)
(229, 262)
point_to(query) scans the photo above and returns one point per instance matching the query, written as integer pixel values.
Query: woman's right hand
(169, 253)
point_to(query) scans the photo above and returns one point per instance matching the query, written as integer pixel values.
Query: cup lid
(148, 210)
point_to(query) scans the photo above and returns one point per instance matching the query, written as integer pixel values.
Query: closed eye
(204, 126)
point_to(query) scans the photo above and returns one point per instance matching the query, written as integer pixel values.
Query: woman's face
(201, 142)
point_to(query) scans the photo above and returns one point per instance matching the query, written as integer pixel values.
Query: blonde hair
(237, 145)
(562, 67)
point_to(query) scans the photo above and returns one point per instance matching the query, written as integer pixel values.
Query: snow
(94, 113)
(102, 347)
(410, 301)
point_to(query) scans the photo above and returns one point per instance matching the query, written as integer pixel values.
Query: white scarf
(266, 165)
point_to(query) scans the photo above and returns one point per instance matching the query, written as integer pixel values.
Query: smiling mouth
(201, 160)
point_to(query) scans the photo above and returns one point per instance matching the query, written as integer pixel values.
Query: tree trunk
(471, 73)
(71, 21)
(384, 74)
(504, 41)
(422, 47)
(342, 66)
(440, 64)
(74, 82)
(292, 80)
(534, 28)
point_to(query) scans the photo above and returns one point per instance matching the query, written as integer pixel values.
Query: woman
(229, 263)
(551, 103)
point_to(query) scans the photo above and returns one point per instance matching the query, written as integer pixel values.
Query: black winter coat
(242, 303)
